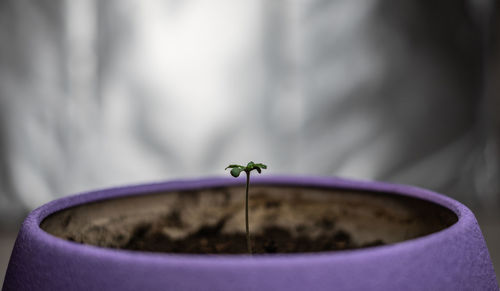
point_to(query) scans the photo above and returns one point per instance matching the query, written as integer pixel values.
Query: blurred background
(102, 93)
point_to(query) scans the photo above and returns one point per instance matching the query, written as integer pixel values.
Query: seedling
(235, 172)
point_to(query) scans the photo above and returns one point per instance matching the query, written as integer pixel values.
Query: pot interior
(367, 218)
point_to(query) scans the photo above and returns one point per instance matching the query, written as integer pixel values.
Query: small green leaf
(237, 169)
(233, 166)
(235, 172)
(262, 166)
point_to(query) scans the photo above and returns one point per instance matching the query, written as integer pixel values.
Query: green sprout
(235, 172)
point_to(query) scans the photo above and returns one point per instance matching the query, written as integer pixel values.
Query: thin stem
(249, 246)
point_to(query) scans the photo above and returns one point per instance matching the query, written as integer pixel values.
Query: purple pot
(455, 258)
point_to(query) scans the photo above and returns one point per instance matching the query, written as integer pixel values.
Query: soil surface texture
(210, 240)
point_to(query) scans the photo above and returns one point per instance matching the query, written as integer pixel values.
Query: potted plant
(307, 233)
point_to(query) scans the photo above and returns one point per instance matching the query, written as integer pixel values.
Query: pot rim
(31, 225)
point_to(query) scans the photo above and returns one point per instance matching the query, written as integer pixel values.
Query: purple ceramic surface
(455, 258)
